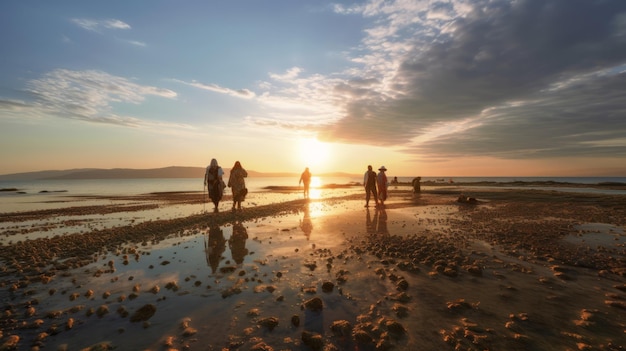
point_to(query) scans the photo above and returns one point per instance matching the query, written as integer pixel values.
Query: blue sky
(454, 88)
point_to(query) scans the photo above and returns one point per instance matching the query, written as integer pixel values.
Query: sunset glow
(313, 152)
(333, 85)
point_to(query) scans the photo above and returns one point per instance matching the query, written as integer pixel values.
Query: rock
(189, 331)
(261, 347)
(474, 270)
(401, 310)
(315, 304)
(254, 312)
(103, 346)
(394, 327)
(10, 343)
(341, 328)
(312, 340)
(361, 337)
(402, 285)
(144, 313)
(295, 320)
(269, 322)
(102, 310)
(328, 287)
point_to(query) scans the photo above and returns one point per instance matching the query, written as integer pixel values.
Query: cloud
(86, 96)
(136, 43)
(525, 78)
(98, 25)
(241, 93)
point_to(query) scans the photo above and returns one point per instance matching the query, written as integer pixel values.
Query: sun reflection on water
(315, 191)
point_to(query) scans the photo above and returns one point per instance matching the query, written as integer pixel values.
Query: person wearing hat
(382, 185)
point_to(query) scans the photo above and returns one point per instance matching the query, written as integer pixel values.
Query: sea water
(53, 191)
(120, 187)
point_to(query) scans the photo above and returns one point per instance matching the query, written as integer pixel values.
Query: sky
(428, 88)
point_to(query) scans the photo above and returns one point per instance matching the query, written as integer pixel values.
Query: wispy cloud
(136, 43)
(98, 25)
(241, 93)
(87, 96)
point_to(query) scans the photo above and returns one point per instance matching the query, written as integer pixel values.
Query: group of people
(375, 185)
(213, 180)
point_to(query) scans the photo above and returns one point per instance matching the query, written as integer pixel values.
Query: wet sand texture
(512, 270)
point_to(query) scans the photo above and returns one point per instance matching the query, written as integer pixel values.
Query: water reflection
(315, 191)
(370, 226)
(381, 229)
(378, 224)
(237, 242)
(214, 246)
(305, 223)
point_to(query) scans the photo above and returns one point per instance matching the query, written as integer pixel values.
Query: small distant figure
(466, 199)
(237, 182)
(394, 180)
(305, 179)
(369, 182)
(416, 185)
(213, 180)
(382, 185)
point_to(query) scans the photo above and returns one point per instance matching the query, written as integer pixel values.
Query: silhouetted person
(237, 243)
(369, 182)
(416, 185)
(237, 182)
(382, 185)
(213, 179)
(214, 246)
(305, 178)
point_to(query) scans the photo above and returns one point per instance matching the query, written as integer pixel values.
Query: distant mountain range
(128, 173)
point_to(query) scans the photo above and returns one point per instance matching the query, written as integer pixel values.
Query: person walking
(237, 182)
(305, 179)
(369, 182)
(416, 184)
(213, 179)
(382, 185)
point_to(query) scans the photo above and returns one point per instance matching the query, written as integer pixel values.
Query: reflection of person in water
(214, 246)
(237, 243)
(381, 228)
(370, 226)
(305, 224)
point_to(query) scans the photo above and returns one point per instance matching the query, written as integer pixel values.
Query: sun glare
(315, 191)
(313, 152)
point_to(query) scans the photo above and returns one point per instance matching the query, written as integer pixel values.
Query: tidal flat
(514, 270)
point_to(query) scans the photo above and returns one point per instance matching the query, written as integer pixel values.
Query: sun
(313, 152)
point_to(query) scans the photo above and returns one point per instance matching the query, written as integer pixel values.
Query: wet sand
(514, 270)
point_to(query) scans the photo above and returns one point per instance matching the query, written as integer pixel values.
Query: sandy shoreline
(518, 270)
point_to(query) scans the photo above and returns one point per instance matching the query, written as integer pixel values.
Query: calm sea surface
(47, 191)
(144, 186)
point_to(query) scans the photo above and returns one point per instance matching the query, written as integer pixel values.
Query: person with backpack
(214, 183)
